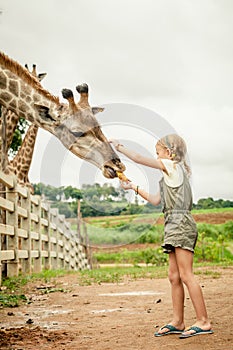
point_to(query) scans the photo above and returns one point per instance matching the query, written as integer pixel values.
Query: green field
(215, 241)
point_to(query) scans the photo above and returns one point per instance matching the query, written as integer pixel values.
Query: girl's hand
(114, 142)
(127, 185)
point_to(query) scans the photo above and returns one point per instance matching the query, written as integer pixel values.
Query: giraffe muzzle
(111, 168)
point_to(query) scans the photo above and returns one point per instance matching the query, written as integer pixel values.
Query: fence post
(37, 242)
(59, 241)
(47, 245)
(26, 225)
(87, 246)
(13, 241)
(64, 239)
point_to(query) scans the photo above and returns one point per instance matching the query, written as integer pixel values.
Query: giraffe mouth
(111, 172)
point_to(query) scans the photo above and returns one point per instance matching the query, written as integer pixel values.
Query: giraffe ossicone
(74, 124)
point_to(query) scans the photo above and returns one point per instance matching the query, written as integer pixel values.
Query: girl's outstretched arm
(137, 157)
(151, 198)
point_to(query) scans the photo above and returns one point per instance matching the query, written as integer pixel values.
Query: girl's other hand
(126, 185)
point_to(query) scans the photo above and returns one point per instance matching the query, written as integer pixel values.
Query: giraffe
(77, 128)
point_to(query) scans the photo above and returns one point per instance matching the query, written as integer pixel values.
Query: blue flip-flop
(197, 331)
(172, 330)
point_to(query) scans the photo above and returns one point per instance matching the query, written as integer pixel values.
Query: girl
(180, 233)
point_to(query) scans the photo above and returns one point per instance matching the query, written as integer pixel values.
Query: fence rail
(34, 236)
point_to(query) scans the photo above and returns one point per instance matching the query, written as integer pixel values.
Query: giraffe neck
(11, 124)
(21, 163)
(20, 91)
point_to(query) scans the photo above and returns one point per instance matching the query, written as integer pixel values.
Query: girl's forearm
(153, 199)
(128, 153)
(140, 159)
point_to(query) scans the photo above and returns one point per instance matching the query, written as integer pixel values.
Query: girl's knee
(174, 277)
(187, 278)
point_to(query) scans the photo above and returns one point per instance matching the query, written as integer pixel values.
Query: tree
(206, 203)
(71, 192)
(18, 137)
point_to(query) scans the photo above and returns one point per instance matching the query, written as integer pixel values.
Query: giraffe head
(75, 125)
(82, 134)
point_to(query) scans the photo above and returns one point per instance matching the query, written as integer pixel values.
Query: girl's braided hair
(177, 147)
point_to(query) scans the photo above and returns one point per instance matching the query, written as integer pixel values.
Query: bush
(209, 249)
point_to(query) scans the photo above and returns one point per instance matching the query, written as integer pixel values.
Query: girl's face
(162, 152)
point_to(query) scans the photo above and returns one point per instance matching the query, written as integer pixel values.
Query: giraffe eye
(60, 108)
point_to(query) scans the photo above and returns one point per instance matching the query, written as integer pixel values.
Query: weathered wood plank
(44, 222)
(22, 191)
(35, 200)
(6, 204)
(53, 254)
(53, 240)
(44, 238)
(44, 254)
(22, 233)
(22, 212)
(34, 235)
(34, 217)
(6, 229)
(23, 254)
(7, 255)
(34, 253)
(7, 180)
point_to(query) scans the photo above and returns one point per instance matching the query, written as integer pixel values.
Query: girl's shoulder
(175, 175)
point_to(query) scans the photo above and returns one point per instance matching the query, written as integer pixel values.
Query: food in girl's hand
(122, 176)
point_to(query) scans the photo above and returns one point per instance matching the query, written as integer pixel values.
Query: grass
(12, 294)
(117, 274)
(7, 300)
(14, 283)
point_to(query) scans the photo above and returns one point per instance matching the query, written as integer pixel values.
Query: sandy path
(115, 316)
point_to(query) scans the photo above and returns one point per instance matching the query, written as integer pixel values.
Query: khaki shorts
(180, 230)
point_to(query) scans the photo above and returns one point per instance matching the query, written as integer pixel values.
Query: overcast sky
(142, 60)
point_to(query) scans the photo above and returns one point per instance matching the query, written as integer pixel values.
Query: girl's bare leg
(184, 259)
(177, 291)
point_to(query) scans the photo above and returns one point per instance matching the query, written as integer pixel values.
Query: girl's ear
(169, 153)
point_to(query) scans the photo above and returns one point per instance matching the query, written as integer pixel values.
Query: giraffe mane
(23, 73)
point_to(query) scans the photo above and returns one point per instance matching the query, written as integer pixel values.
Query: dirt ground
(115, 316)
(209, 218)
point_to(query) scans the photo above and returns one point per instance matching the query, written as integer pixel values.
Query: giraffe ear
(96, 110)
(44, 112)
(41, 76)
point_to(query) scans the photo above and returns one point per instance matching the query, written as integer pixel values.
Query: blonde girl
(180, 233)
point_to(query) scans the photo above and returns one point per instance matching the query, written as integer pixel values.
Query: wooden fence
(33, 235)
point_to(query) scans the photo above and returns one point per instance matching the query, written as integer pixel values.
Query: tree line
(102, 200)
